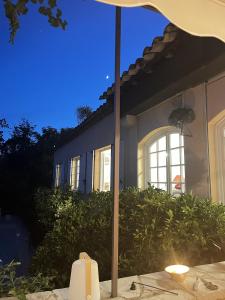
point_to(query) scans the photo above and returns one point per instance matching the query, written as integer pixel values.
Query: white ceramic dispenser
(84, 279)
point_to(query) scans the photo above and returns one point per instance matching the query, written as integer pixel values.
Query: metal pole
(115, 241)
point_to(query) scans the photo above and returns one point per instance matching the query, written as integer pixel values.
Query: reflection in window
(75, 173)
(166, 167)
(105, 170)
(58, 175)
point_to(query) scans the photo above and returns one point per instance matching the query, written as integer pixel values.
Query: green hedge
(156, 229)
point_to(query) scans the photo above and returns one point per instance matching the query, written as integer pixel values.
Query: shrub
(156, 229)
(80, 225)
(162, 230)
(47, 203)
(11, 285)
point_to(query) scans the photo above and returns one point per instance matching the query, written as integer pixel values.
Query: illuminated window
(105, 170)
(58, 175)
(75, 173)
(165, 163)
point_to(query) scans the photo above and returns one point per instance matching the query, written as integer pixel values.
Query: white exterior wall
(216, 109)
(134, 130)
(195, 146)
(97, 136)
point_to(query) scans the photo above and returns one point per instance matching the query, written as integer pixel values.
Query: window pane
(153, 147)
(74, 173)
(176, 189)
(162, 175)
(183, 187)
(154, 184)
(58, 175)
(163, 186)
(175, 156)
(162, 144)
(162, 159)
(78, 173)
(175, 174)
(153, 160)
(183, 174)
(174, 140)
(105, 170)
(154, 175)
(181, 140)
(182, 155)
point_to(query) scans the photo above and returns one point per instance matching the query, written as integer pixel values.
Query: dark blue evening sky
(48, 72)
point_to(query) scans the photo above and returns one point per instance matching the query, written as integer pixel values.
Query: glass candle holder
(177, 272)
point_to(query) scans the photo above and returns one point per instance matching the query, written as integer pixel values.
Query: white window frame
(97, 178)
(164, 133)
(101, 170)
(58, 175)
(75, 173)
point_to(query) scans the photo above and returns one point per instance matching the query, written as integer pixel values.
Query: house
(177, 71)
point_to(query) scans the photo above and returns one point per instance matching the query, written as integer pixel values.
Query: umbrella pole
(115, 239)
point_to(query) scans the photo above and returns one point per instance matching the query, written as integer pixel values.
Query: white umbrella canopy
(197, 17)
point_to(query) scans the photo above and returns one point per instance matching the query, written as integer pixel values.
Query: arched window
(165, 165)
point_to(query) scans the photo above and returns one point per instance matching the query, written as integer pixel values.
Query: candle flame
(177, 269)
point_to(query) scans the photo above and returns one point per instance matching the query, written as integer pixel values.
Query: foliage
(181, 116)
(83, 112)
(14, 9)
(47, 210)
(156, 229)
(80, 224)
(26, 163)
(11, 285)
(163, 230)
(3, 125)
(23, 137)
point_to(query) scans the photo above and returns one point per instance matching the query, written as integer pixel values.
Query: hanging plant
(181, 116)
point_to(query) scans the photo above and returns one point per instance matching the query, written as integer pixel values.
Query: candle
(177, 272)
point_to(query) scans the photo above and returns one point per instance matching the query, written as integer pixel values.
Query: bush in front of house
(78, 224)
(156, 229)
(20, 286)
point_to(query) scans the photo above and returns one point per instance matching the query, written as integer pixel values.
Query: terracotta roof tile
(149, 54)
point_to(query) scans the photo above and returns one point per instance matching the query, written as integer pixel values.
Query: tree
(17, 172)
(23, 137)
(26, 164)
(3, 125)
(83, 112)
(16, 8)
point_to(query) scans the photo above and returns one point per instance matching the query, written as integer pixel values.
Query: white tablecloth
(214, 273)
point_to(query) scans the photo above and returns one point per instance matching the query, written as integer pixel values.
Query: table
(214, 273)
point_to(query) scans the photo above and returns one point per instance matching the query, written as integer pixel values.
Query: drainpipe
(207, 136)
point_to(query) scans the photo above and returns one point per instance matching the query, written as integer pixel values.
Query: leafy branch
(16, 8)
(83, 112)
(11, 285)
